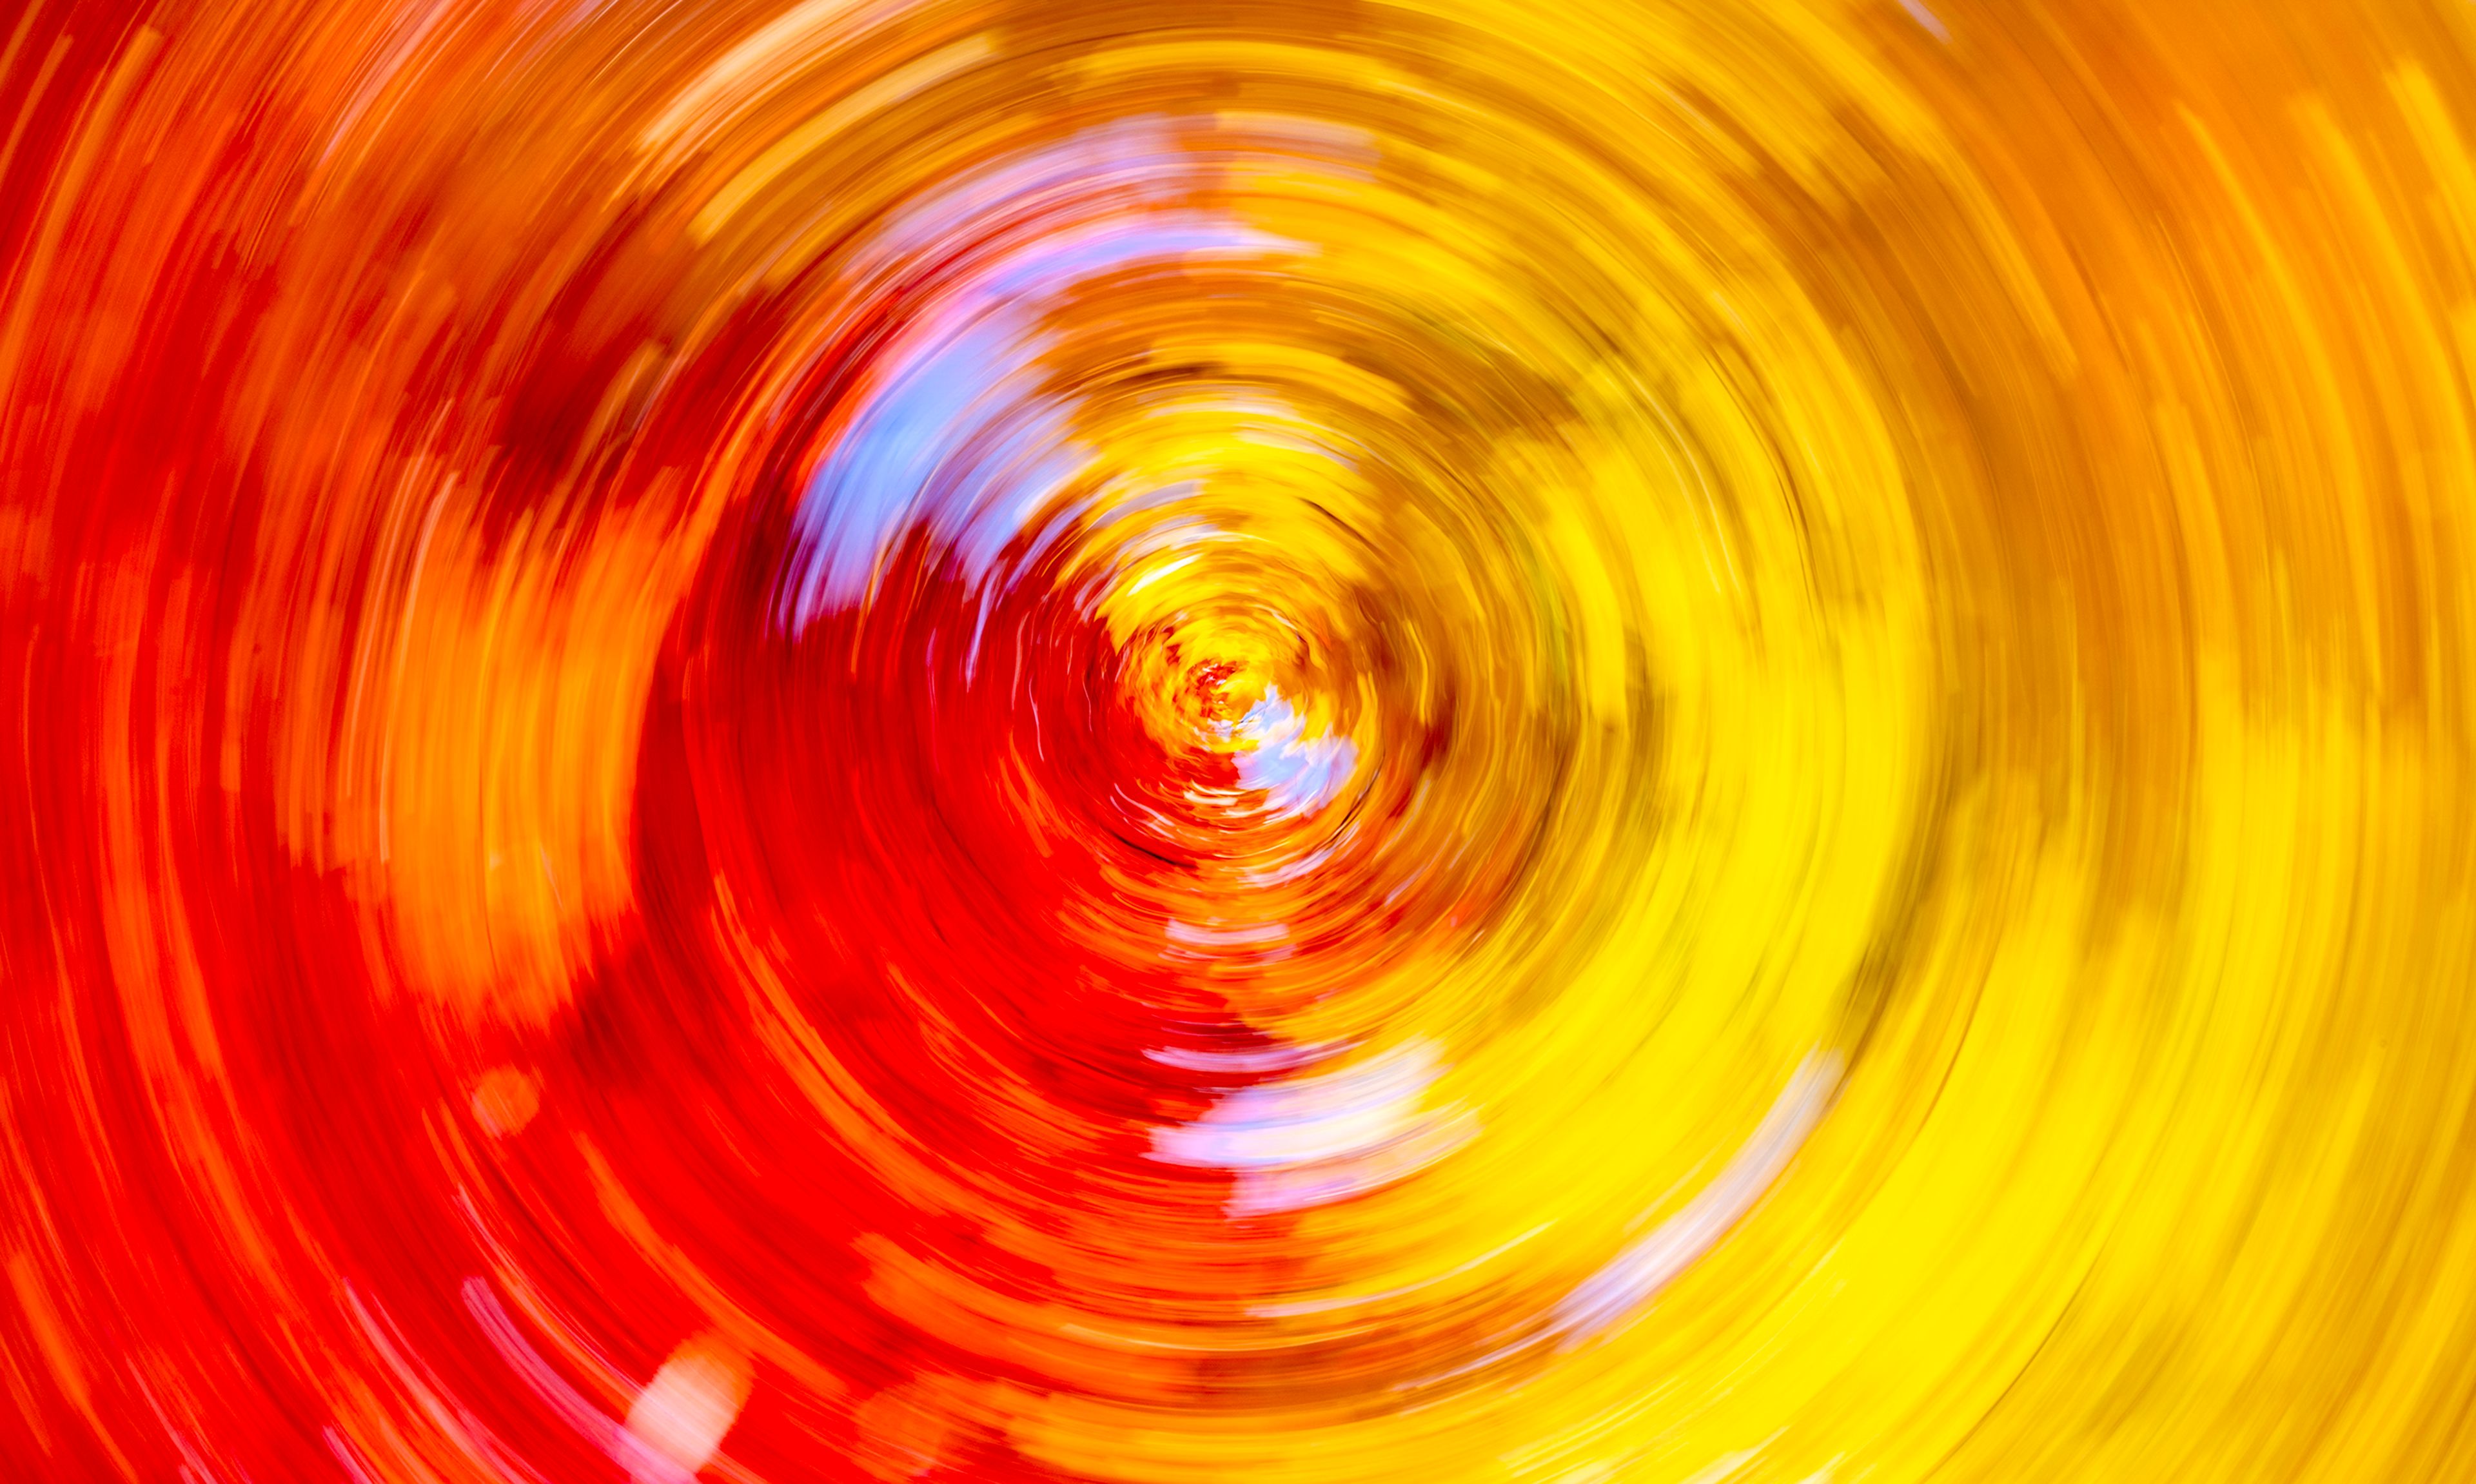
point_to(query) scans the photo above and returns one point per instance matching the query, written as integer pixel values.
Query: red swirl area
(1277, 742)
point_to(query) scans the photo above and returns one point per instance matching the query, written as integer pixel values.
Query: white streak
(1927, 18)
(1635, 1276)
(1302, 1141)
(682, 1415)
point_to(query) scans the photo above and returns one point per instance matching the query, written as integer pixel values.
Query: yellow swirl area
(1302, 741)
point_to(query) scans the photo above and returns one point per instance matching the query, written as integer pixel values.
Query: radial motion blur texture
(1256, 740)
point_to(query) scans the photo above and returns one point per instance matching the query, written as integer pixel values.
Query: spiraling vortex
(1334, 741)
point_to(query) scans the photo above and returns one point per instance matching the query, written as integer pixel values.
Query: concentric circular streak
(1348, 741)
